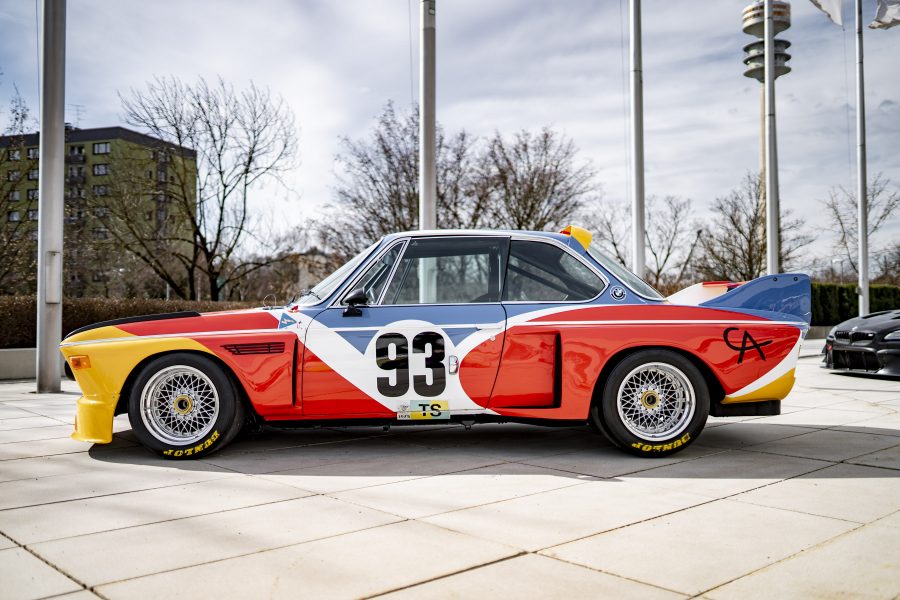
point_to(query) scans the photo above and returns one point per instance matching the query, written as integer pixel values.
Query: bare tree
(882, 199)
(733, 247)
(378, 183)
(669, 238)
(887, 265)
(534, 181)
(17, 242)
(242, 138)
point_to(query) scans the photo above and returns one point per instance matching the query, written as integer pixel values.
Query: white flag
(832, 8)
(887, 15)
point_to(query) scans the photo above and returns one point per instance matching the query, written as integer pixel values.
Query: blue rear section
(786, 293)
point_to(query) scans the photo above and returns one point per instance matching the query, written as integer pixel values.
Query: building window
(98, 276)
(14, 155)
(15, 196)
(76, 150)
(13, 175)
(13, 216)
(33, 235)
(32, 214)
(33, 175)
(161, 176)
(32, 194)
(101, 233)
(34, 153)
(101, 169)
(101, 148)
(101, 211)
(101, 190)
(149, 174)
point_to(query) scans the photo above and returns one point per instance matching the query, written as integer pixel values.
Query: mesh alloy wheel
(179, 405)
(656, 401)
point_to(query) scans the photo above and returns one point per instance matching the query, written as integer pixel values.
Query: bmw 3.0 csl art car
(453, 326)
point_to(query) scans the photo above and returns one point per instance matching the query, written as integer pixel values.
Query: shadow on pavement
(522, 449)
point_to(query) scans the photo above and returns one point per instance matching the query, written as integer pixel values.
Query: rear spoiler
(786, 293)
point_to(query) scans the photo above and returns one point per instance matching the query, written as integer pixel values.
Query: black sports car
(869, 344)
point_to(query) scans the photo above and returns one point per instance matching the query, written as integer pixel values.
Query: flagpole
(861, 193)
(773, 213)
(638, 261)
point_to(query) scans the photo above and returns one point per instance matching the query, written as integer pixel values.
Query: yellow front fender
(113, 356)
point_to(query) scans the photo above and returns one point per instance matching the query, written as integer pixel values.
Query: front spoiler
(93, 420)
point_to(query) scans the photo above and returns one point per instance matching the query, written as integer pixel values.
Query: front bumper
(93, 420)
(859, 359)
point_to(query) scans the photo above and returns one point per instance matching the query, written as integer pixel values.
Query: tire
(654, 403)
(184, 406)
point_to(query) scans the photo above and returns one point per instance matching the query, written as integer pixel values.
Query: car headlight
(893, 336)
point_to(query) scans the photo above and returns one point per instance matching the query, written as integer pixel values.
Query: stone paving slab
(806, 504)
(864, 563)
(683, 542)
(360, 564)
(24, 576)
(532, 576)
(842, 491)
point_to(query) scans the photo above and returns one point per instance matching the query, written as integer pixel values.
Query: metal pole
(861, 192)
(773, 214)
(50, 194)
(427, 179)
(638, 227)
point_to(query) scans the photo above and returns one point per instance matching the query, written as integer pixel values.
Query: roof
(465, 232)
(101, 134)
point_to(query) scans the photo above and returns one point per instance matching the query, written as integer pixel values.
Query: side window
(374, 280)
(451, 270)
(540, 272)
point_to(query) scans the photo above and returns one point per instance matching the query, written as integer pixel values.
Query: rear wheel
(654, 403)
(184, 406)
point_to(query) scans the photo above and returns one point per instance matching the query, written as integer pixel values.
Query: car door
(426, 343)
(537, 366)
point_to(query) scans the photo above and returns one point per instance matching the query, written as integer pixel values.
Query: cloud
(503, 65)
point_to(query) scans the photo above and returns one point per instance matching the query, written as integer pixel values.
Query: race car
(452, 326)
(869, 344)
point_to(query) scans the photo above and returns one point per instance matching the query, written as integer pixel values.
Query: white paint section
(363, 372)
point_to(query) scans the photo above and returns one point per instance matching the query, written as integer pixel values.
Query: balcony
(75, 179)
(77, 159)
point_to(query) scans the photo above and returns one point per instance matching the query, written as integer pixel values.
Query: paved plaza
(805, 504)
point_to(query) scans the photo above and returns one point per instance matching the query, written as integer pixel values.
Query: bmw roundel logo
(617, 293)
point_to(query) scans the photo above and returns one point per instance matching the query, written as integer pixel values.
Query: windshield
(324, 288)
(624, 275)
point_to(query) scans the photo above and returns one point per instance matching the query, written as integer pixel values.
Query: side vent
(256, 348)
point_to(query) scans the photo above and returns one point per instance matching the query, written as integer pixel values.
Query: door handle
(488, 326)
(453, 367)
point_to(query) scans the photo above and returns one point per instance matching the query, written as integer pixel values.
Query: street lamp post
(50, 195)
(427, 121)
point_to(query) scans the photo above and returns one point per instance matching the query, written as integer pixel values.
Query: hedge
(18, 314)
(831, 304)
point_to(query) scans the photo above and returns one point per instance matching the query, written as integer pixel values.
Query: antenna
(79, 110)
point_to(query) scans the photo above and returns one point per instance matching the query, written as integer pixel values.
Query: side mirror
(356, 298)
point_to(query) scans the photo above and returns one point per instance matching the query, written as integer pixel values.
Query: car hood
(877, 322)
(176, 323)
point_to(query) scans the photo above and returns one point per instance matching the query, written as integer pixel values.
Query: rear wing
(786, 293)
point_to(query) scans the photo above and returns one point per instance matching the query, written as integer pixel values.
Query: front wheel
(654, 403)
(184, 406)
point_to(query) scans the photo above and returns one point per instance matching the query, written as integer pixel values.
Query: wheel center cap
(650, 399)
(183, 404)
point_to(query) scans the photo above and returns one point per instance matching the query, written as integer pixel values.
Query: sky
(504, 65)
